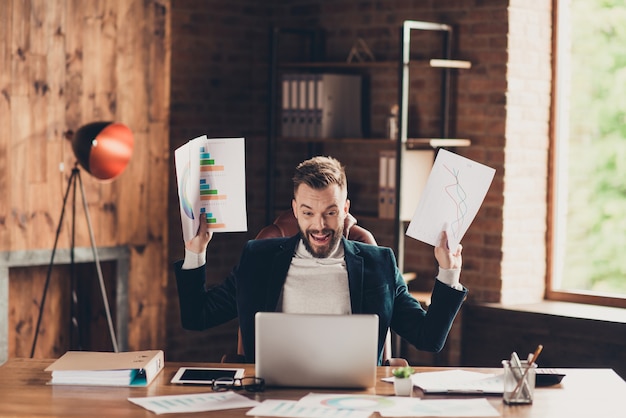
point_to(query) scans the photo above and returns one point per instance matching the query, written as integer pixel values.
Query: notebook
(313, 350)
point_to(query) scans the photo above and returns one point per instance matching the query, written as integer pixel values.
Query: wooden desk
(24, 392)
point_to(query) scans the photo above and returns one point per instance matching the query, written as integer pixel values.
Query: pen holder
(519, 382)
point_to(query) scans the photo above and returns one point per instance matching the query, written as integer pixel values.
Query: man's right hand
(199, 243)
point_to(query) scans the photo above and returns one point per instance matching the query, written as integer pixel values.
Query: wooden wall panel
(5, 115)
(74, 63)
(56, 330)
(28, 285)
(64, 64)
(148, 298)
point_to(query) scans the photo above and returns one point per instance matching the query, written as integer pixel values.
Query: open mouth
(320, 238)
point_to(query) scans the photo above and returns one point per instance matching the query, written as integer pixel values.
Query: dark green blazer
(376, 287)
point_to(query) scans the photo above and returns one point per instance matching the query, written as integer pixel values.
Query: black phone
(204, 376)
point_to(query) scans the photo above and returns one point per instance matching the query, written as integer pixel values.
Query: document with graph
(211, 179)
(454, 192)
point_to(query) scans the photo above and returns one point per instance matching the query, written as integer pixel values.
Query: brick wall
(218, 88)
(526, 152)
(219, 70)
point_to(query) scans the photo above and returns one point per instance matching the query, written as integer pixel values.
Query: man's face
(320, 214)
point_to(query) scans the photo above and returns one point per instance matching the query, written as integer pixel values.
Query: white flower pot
(403, 386)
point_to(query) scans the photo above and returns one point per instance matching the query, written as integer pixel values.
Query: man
(319, 271)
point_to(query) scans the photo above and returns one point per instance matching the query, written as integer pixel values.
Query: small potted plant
(402, 383)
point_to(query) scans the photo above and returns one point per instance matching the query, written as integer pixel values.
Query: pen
(533, 361)
(516, 369)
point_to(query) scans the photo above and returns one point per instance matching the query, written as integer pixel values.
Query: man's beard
(317, 251)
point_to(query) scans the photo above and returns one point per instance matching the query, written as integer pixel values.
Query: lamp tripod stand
(71, 185)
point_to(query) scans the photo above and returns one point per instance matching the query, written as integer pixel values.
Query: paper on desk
(292, 409)
(347, 401)
(197, 402)
(323, 405)
(454, 192)
(457, 381)
(445, 408)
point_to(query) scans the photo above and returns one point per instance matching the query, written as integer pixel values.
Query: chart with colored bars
(208, 193)
(211, 183)
(216, 174)
(207, 164)
(212, 220)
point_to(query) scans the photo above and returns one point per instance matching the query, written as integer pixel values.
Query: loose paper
(316, 405)
(454, 191)
(292, 409)
(355, 402)
(198, 402)
(445, 408)
(457, 381)
(212, 182)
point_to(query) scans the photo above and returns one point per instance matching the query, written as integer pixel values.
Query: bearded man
(318, 270)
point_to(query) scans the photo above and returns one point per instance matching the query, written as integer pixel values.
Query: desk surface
(24, 392)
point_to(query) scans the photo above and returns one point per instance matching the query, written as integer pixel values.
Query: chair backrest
(286, 225)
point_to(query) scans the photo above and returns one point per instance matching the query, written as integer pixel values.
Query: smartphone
(204, 375)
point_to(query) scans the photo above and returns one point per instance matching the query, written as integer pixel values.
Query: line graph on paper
(458, 197)
(454, 192)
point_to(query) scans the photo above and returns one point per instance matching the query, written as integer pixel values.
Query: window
(588, 205)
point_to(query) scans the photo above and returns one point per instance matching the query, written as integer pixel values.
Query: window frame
(591, 298)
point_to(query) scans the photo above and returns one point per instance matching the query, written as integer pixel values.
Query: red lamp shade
(103, 148)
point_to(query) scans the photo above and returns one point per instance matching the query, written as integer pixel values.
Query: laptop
(316, 350)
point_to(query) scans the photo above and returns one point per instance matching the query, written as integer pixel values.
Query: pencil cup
(519, 382)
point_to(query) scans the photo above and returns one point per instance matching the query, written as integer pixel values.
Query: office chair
(286, 225)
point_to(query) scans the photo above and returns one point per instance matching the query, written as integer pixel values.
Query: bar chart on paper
(206, 193)
(221, 183)
(207, 164)
(212, 220)
(211, 182)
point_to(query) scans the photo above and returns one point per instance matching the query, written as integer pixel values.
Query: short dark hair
(319, 173)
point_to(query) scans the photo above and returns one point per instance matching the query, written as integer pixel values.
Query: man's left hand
(447, 258)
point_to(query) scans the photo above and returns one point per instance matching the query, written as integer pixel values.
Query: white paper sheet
(445, 408)
(325, 405)
(457, 381)
(211, 179)
(197, 402)
(292, 409)
(356, 402)
(454, 192)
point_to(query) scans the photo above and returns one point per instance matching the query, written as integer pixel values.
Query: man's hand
(199, 243)
(446, 258)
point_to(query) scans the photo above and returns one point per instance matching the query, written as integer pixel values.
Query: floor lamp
(103, 149)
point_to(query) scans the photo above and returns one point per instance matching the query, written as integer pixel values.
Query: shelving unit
(403, 143)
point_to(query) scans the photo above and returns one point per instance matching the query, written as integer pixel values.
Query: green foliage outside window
(596, 216)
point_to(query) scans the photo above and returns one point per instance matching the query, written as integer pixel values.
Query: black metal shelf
(312, 62)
